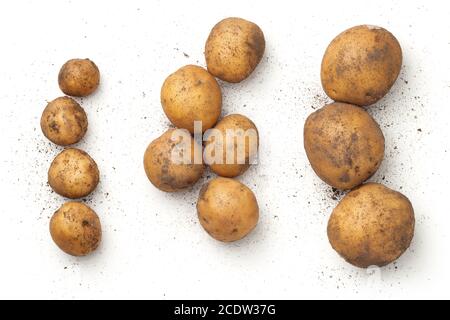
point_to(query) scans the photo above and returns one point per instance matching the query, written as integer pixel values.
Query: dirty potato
(232, 146)
(173, 161)
(372, 225)
(234, 48)
(79, 77)
(64, 121)
(344, 144)
(227, 209)
(73, 174)
(360, 65)
(191, 94)
(76, 229)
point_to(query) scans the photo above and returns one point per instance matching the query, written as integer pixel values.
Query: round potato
(79, 77)
(191, 94)
(360, 65)
(64, 121)
(344, 144)
(227, 209)
(76, 229)
(73, 174)
(232, 146)
(372, 225)
(173, 161)
(234, 48)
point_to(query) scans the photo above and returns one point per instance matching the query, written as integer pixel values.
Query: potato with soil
(64, 121)
(360, 65)
(227, 209)
(79, 77)
(191, 94)
(173, 161)
(234, 48)
(73, 174)
(232, 146)
(372, 225)
(344, 144)
(76, 229)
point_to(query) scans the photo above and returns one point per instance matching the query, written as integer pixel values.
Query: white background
(153, 246)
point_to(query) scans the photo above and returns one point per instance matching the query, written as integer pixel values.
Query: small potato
(64, 121)
(227, 209)
(344, 144)
(234, 48)
(360, 65)
(173, 161)
(191, 94)
(372, 225)
(76, 229)
(79, 77)
(73, 174)
(240, 147)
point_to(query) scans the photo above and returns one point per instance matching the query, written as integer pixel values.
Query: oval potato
(79, 77)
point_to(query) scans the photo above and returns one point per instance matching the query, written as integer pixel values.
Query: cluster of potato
(74, 227)
(372, 225)
(227, 209)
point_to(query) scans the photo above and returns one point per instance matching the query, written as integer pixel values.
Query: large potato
(64, 121)
(73, 174)
(234, 48)
(173, 161)
(360, 65)
(237, 140)
(191, 94)
(372, 225)
(79, 77)
(227, 209)
(344, 144)
(76, 229)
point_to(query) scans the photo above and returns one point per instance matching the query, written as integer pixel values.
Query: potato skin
(344, 144)
(234, 122)
(79, 77)
(372, 225)
(227, 209)
(191, 94)
(360, 65)
(163, 172)
(73, 174)
(64, 121)
(76, 229)
(234, 48)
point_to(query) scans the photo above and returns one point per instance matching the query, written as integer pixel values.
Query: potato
(73, 174)
(344, 144)
(360, 65)
(372, 225)
(76, 229)
(173, 161)
(79, 77)
(234, 48)
(242, 141)
(64, 121)
(227, 209)
(191, 94)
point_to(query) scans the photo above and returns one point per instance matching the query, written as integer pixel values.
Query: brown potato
(344, 144)
(73, 174)
(360, 65)
(372, 225)
(227, 209)
(191, 94)
(243, 142)
(64, 121)
(76, 229)
(161, 163)
(234, 48)
(79, 77)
